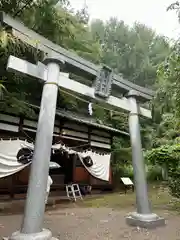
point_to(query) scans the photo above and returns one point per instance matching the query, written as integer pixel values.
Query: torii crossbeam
(53, 78)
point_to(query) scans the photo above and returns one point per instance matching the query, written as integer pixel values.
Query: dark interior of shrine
(66, 162)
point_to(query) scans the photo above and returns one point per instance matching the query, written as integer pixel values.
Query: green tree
(166, 107)
(135, 52)
(54, 20)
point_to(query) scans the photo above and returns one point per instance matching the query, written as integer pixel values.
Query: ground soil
(95, 223)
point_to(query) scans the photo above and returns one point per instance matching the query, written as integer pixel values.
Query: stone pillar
(32, 226)
(143, 217)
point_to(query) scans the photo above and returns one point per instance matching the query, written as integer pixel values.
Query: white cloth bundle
(9, 164)
(101, 165)
(8, 160)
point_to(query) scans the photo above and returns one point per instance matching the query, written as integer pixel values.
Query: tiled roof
(88, 121)
(85, 120)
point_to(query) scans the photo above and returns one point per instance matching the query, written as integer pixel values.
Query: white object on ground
(49, 183)
(127, 181)
(73, 192)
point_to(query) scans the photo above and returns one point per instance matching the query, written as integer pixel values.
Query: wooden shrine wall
(79, 133)
(86, 134)
(15, 124)
(64, 129)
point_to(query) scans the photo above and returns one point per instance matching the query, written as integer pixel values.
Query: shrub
(154, 173)
(128, 172)
(119, 171)
(168, 156)
(174, 182)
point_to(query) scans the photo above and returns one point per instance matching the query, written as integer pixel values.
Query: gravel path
(94, 224)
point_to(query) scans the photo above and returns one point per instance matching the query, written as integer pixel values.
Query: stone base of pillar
(149, 221)
(44, 235)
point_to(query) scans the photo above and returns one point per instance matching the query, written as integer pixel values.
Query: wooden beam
(74, 63)
(40, 72)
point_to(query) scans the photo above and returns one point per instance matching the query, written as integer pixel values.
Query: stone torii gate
(49, 72)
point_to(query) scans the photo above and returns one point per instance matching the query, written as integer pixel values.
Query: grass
(159, 198)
